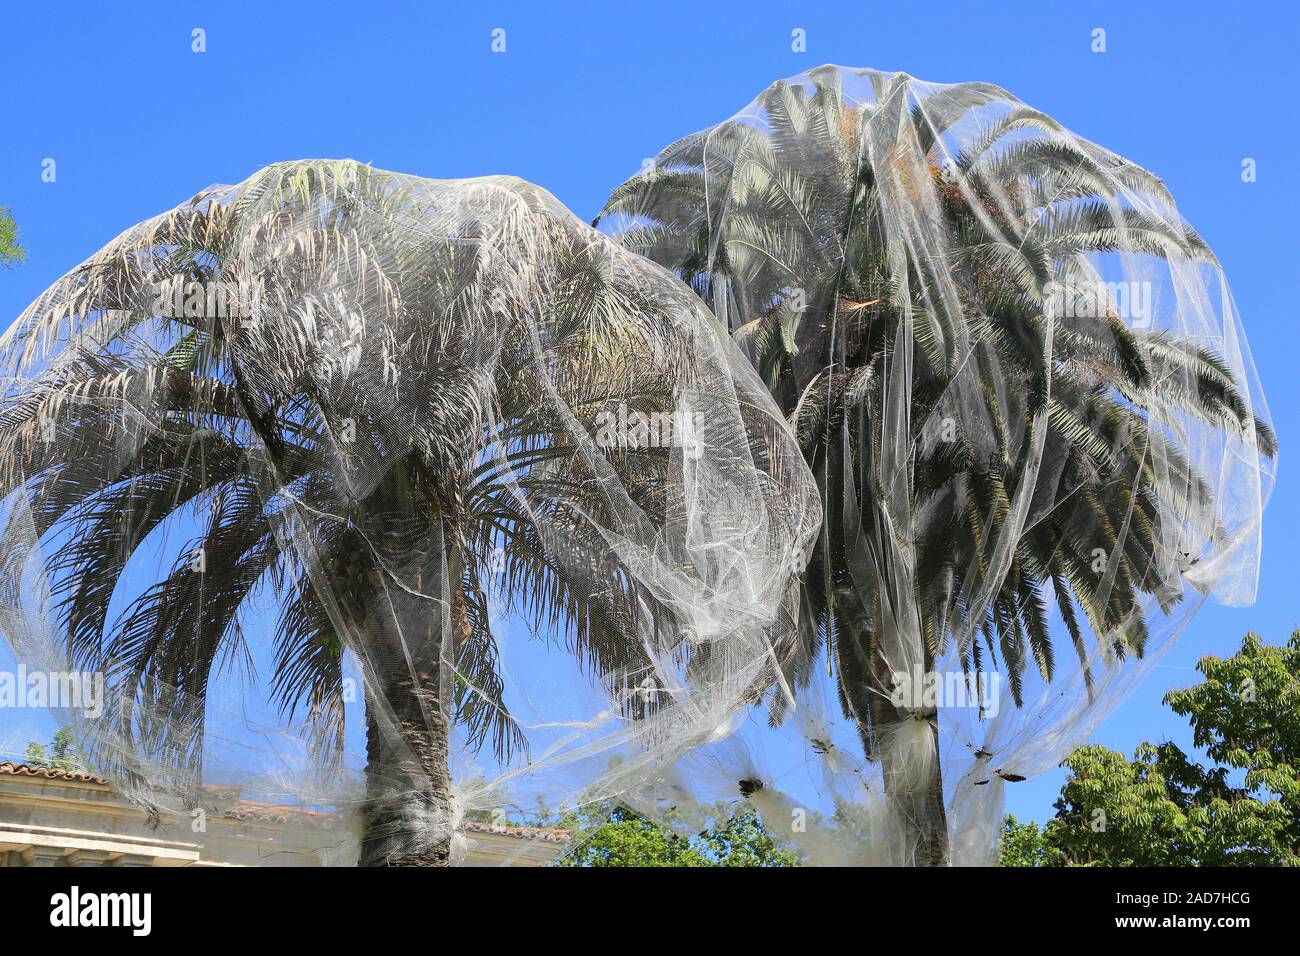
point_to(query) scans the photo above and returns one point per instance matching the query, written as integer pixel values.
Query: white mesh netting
(1023, 388)
(300, 465)
(406, 500)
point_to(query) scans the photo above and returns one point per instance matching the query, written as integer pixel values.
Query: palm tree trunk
(913, 776)
(916, 818)
(408, 816)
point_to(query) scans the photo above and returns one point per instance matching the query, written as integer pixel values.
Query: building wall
(53, 818)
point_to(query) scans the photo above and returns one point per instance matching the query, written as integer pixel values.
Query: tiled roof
(545, 834)
(268, 813)
(27, 770)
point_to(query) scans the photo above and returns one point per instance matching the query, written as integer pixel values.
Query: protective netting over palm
(1022, 385)
(298, 464)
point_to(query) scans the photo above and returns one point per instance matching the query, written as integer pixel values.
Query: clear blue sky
(137, 123)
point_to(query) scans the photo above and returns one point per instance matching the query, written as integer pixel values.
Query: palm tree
(915, 277)
(399, 431)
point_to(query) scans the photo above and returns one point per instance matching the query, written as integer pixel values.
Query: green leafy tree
(60, 754)
(1025, 844)
(620, 837)
(1162, 808)
(11, 253)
